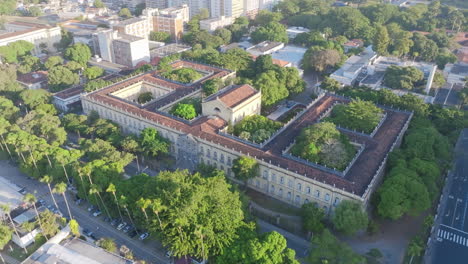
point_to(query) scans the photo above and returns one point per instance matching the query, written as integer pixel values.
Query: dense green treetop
(313, 218)
(78, 52)
(272, 31)
(125, 13)
(160, 36)
(12, 52)
(245, 168)
(53, 61)
(185, 111)
(326, 248)
(357, 115)
(183, 75)
(60, 78)
(406, 78)
(349, 217)
(93, 72)
(256, 128)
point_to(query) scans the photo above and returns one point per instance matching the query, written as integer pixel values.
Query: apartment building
(136, 26)
(42, 36)
(130, 50)
(212, 24)
(170, 20)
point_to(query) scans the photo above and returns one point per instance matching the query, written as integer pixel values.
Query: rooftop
(356, 180)
(33, 77)
(265, 46)
(130, 21)
(233, 95)
(9, 193)
(168, 50)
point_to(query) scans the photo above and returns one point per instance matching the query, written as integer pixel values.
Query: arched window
(280, 192)
(208, 153)
(215, 155)
(217, 110)
(298, 199)
(201, 150)
(327, 197)
(221, 158)
(317, 193)
(299, 187)
(265, 174)
(272, 189)
(308, 190)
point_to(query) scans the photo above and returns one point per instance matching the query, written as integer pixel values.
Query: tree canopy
(406, 78)
(183, 75)
(60, 78)
(245, 168)
(256, 128)
(273, 31)
(349, 217)
(358, 115)
(185, 111)
(78, 52)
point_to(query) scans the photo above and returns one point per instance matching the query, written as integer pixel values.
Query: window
(327, 197)
(280, 192)
(221, 158)
(257, 183)
(221, 168)
(337, 201)
(215, 155)
(229, 172)
(265, 174)
(289, 196)
(273, 177)
(317, 193)
(208, 153)
(272, 189)
(217, 110)
(201, 150)
(298, 199)
(290, 183)
(282, 180)
(299, 187)
(308, 190)
(306, 201)
(229, 161)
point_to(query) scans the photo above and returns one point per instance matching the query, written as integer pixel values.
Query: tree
(397, 77)
(29, 64)
(78, 52)
(48, 180)
(415, 248)
(183, 75)
(139, 9)
(9, 111)
(264, 17)
(185, 111)
(152, 143)
(35, 11)
(74, 227)
(272, 31)
(31, 200)
(328, 249)
(273, 90)
(424, 48)
(60, 78)
(143, 204)
(256, 124)
(125, 13)
(224, 34)
(349, 217)
(93, 72)
(108, 244)
(14, 51)
(287, 8)
(212, 206)
(6, 210)
(312, 218)
(96, 84)
(7, 7)
(5, 235)
(357, 115)
(445, 57)
(321, 60)
(98, 4)
(381, 41)
(157, 207)
(245, 168)
(211, 86)
(61, 188)
(330, 84)
(144, 98)
(160, 36)
(113, 190)
(53, 61)
(34, 98)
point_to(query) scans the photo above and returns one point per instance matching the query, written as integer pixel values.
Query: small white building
(33, 80)
(294, 31)
(212, 24)
(265, 48)
(353, 66)
(233, 103)
(65, 98)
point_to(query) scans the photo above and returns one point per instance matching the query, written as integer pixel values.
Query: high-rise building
(130, 50)
(136, 26)
(157, 3)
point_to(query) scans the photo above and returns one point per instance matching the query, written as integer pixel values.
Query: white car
(97, 213)
(121, 226)
(144, 236)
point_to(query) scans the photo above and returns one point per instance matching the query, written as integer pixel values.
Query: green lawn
(18, 253)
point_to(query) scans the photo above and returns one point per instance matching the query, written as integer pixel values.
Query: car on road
(97, 213)
(42, 202)
(50, 207)
(121, 226)
(144, 236)
(86, 232)
(22, 191)
(91, 208)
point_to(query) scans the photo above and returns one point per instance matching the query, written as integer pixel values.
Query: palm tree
(5, 208)
(113, 190)
(95, 189)
(123, 202)
(29, 198)
(414, 249)
(62, 188)
(157, 207)
(80, 174)
(143, 204)
(48, 180)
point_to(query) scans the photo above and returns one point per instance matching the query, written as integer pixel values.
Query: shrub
(256, 128)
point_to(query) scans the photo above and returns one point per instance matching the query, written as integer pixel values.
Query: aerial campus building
(205, 139)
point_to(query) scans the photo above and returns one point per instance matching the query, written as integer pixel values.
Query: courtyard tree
(349, 217)
(211, 86)
(93, 72)
(245, 168)
(185, 111)
(357, 115)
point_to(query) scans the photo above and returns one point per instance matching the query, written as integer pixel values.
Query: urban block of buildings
(42, 36)
(212, 24)
(205, 140)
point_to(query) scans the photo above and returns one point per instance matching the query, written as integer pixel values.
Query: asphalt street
(449, 242)
(149, 250)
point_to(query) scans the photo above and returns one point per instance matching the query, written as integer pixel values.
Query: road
(449, 240)
(151, 251)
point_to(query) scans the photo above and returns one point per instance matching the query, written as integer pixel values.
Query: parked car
(144, 236)
(97, 213)
(121, 226)
(115, 222)
(42, 202)
(132, 233)
(86, 232)
(127, 228)
(90, 208)
(22, 191)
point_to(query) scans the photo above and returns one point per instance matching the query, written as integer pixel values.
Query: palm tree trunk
(65, 171)
(6, 145)
(66, 203)
(53, 198)
(146, 215)
(118, 207)
(105, 207)
(48, 159)
(32, 157)
(130, 217)
(82, 182)
(16, 230)
(39, 220)
(159, 219)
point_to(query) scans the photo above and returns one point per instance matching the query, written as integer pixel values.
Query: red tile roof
(33, 77)
(356, 180)
(235, 95)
